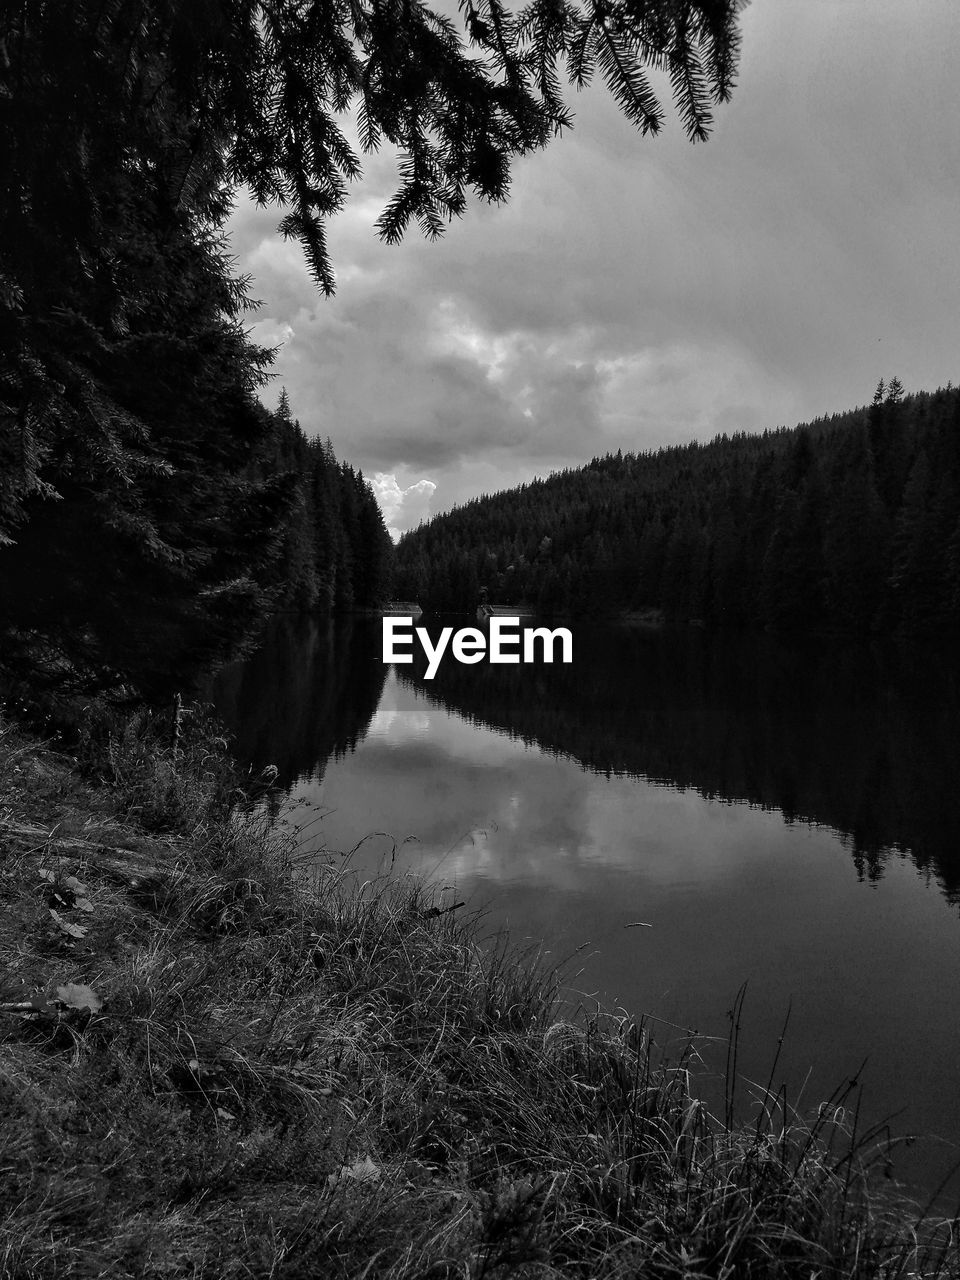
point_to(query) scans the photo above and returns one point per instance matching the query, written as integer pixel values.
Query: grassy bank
(212, 1067)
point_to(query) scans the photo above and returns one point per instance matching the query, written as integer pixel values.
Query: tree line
(151, 509)
(849, 522)
(335, 554)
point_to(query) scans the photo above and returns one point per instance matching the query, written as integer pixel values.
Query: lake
(675, 814)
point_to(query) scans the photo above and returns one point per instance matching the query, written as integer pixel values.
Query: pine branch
(625, 80)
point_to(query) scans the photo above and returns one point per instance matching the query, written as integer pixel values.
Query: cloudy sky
(638, 292)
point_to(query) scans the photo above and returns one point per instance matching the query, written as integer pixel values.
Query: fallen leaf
(71, 882)
(83, 904)
(72, 930)
(78, 996)
(360, 1171)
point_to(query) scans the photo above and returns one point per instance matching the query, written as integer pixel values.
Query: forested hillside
(336, 554)
(848, 522)
(152, 511)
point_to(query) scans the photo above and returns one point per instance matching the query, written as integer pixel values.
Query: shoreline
(211, 1067)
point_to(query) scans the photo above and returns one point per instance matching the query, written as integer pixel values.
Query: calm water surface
(787, 817)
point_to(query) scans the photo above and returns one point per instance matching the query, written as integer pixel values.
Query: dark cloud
(640, 292)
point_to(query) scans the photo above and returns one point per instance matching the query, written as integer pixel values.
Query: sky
(641, 292)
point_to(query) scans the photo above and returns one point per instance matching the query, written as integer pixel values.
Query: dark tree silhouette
(137, 534)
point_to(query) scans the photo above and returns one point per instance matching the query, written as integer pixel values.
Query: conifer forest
(318, 958)
(848, 523)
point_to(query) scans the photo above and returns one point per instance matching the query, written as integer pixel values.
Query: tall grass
(292, 1077)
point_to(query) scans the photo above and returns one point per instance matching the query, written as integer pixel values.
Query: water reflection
(304, 697)
(862, 739)
(693, 784)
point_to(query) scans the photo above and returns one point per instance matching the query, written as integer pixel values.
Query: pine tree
(136, 535)
(261, 85)
(137, 547)
(283, 412)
